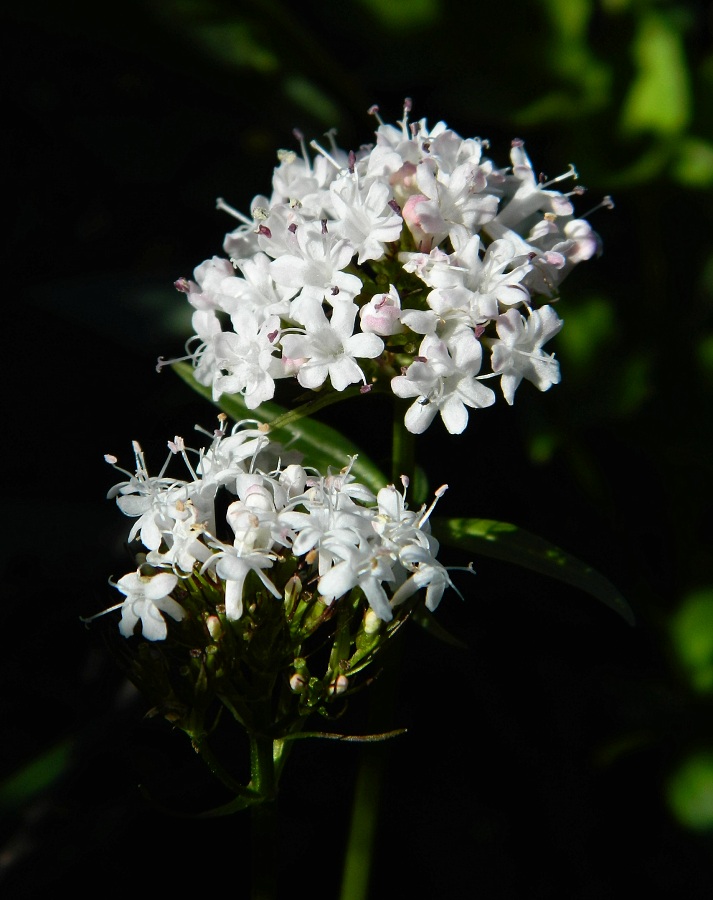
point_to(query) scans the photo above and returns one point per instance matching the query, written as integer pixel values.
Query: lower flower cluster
(297, 560)
(344, 536)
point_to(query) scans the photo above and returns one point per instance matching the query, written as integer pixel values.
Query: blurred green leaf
(307, 95)
(512, 544)
(704, 352)
(586, 80)
(236, 44)
(404, 13)
(689, 791)
(322, 445)
(659, 99)
(35, 777)
(590, 326)
(694, 165)
(692, 638)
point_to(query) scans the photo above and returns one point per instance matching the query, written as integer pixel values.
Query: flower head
(359, 256)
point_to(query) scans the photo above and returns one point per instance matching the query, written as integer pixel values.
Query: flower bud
(215, 629)
(339, 685)
(293, 589)
(372, 623)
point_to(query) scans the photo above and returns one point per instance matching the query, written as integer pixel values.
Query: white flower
(364, 217)
(255, 291)
(364, 566)
(149, 499)
(315, 268)
(427, 572)
(147, 597)
(329, 348)
(518, 353)
(443, 383)
(529, 195)
(245, 359)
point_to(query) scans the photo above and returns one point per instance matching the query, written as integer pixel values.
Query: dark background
(563, 753)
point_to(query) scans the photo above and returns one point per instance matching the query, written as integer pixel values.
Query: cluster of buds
(397, 267)
(260, 578)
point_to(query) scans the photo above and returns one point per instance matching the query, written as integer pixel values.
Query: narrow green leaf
(512, 544)
(426, 620)
(38, 775)
(241, 801)
(322, 445)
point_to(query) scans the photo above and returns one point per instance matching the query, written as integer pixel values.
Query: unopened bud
(293, 589)
(339, 685)
(297, 683)
(215, 629)
(372, 623)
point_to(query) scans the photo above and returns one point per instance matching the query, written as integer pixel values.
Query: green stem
(361, 842)
(362, 830)
(263, 820)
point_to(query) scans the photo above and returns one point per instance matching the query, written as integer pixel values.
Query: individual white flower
(183, 545)
(528, 195)
(256, 291)
(234, 567)
(148, 499)
(518, 353)
(364, 217)
(250, 552)
(364, 566)
(314, 270)
(207, 327)
(427, 572)
(330, 348)
(443, 383)
(456, 199)
(147, 599)
(245, 359)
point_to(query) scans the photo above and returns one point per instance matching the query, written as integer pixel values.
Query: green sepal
(322, 445)
(507, 542)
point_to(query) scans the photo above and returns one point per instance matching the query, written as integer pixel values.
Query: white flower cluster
(393, 266)
(344, 536)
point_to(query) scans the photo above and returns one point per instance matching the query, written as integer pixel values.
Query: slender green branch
(204, 750)
(263, 821)
(361, 842)
(326, 397)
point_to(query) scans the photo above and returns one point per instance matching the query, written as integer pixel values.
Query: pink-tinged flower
(382, 314)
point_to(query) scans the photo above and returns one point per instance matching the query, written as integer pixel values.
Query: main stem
(361, 842)
(264, 836)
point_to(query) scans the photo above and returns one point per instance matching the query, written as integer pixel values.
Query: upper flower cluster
(398, 266)
(338, 534)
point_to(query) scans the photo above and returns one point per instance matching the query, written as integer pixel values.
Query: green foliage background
(535, 756)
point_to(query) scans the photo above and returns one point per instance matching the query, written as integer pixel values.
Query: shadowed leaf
(507, 542)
